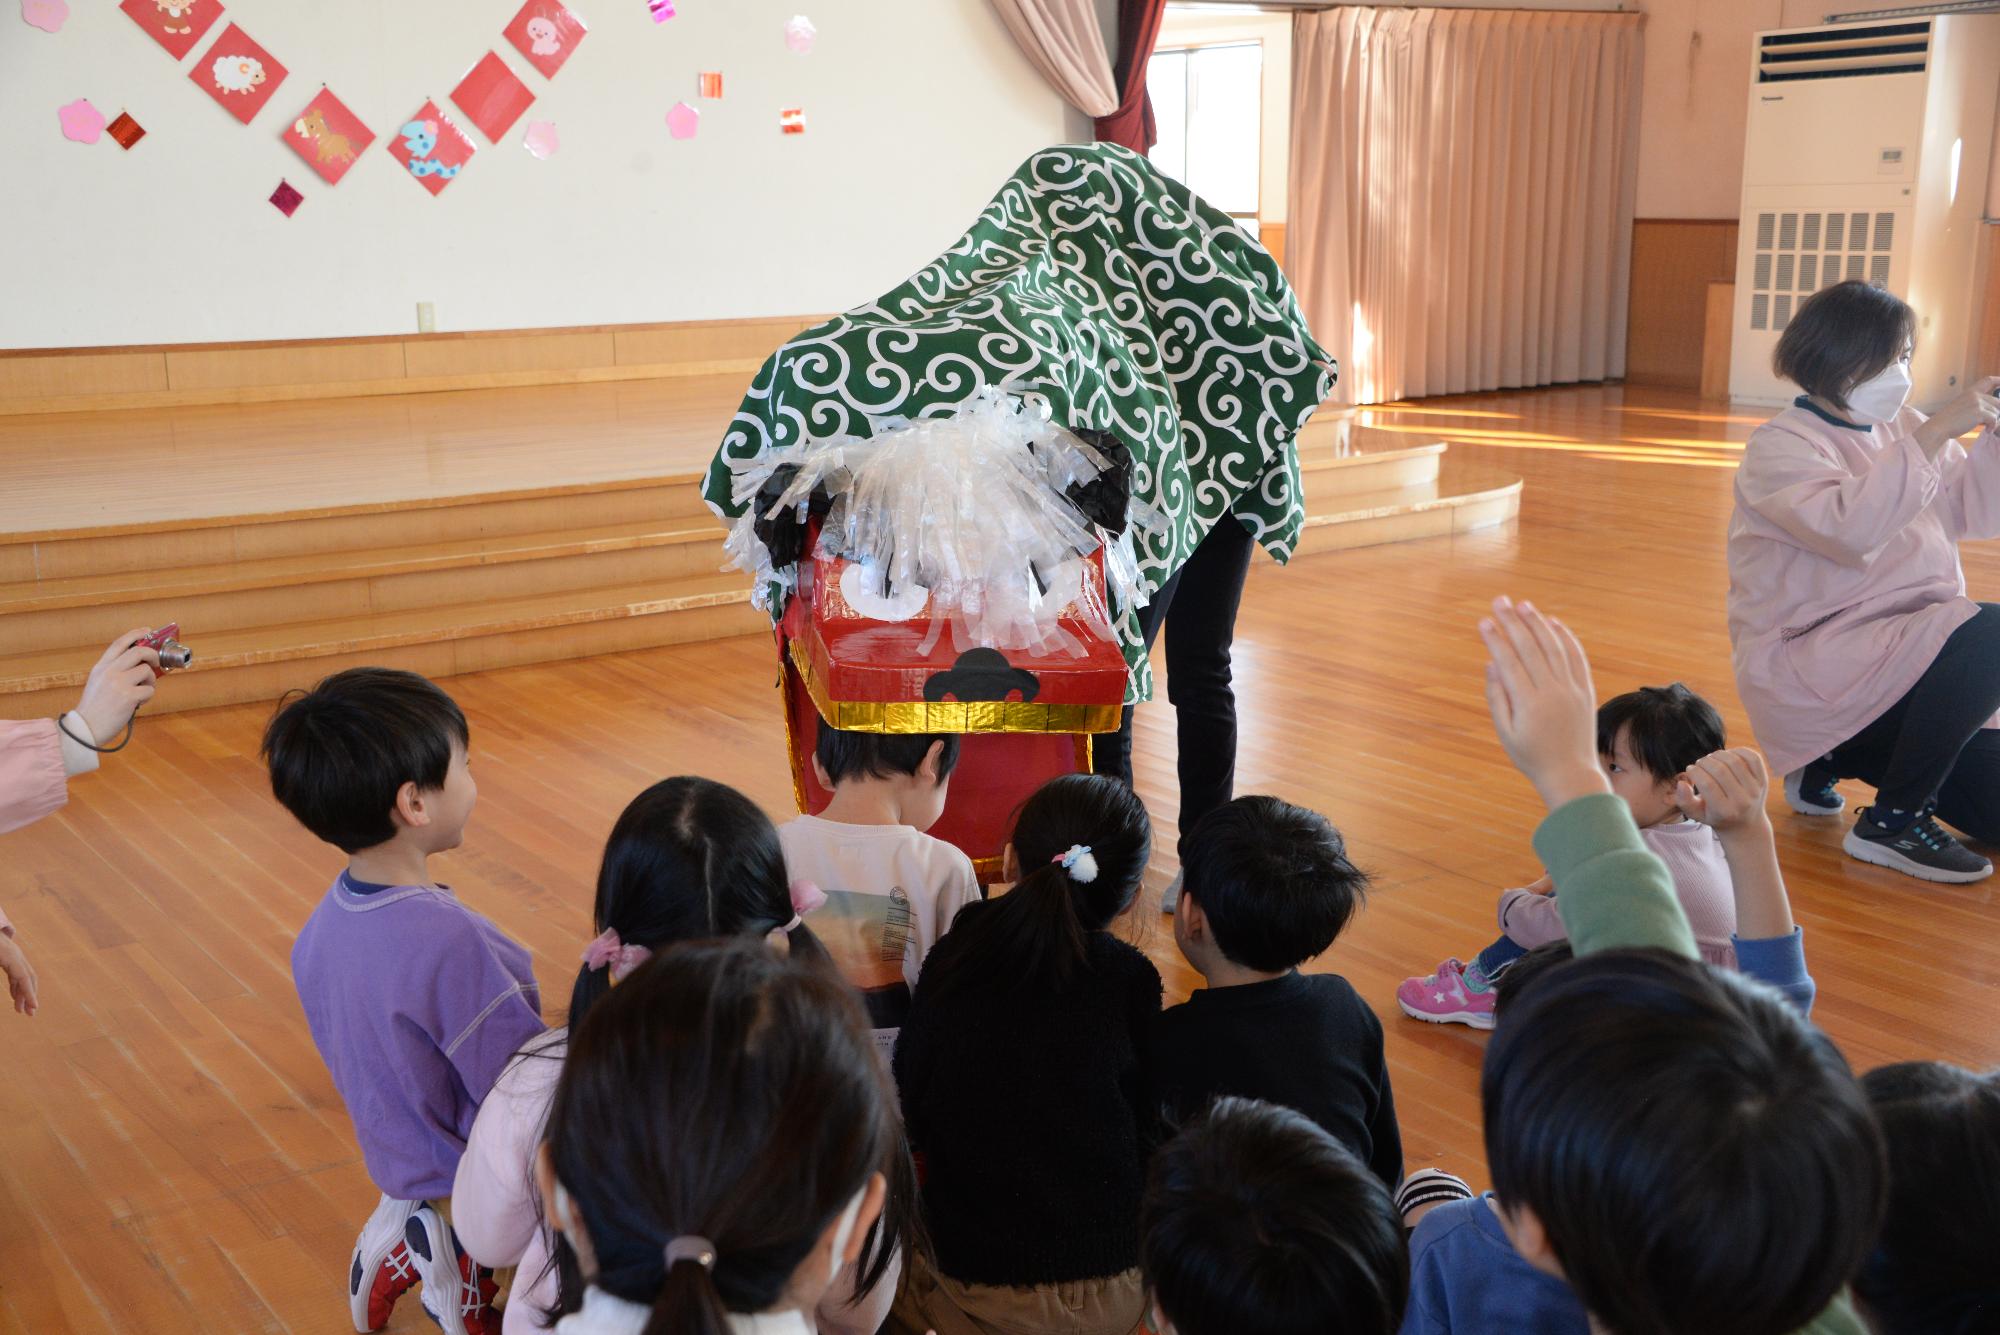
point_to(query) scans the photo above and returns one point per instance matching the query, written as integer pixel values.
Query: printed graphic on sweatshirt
(872, 938)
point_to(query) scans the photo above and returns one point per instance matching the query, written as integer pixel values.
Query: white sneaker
(382, 1269)
(458, 1291)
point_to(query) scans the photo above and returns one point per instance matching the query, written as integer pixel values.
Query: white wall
(916, 110)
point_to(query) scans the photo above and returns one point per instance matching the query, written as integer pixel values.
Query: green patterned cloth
(1107, 292)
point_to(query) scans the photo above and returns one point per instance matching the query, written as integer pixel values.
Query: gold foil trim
(923, 716)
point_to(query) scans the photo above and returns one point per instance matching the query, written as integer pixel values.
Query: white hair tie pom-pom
(1078, 863)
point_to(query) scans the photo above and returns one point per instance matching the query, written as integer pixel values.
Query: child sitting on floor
(687, 859)
(1258, 1221)
(414, 1001)
(891, 890)
(714, 1156)
(1465, 1275)
(1673, 1141)
(1022, 1083)
(1266, 887)
(1646, 739)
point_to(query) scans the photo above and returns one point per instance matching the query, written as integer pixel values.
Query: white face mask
(1881, 397)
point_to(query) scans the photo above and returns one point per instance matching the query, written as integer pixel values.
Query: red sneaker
(382, 1269)
(458, 1291)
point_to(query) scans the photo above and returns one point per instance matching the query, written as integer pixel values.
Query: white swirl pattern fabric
(1114, 299)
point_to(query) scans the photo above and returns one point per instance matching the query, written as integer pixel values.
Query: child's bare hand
(1546, 885)
(1544, 708)
(21, 981)
(1725, 791)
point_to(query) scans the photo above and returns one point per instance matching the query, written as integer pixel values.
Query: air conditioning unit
(1866, 157)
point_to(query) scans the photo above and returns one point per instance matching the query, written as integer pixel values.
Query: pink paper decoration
(662, 10)
(683, 120)
(81, 121)
(48, 15)
(286, 198)
(545, 32)
(541, 138)
(800, 34)
(492, 97)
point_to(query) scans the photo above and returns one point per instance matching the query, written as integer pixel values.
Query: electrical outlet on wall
(427, 318)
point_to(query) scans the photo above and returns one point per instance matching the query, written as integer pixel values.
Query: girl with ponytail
(714, 1155)
(689, 859)
(1020, 1079)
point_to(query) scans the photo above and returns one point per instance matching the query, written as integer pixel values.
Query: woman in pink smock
(38, 758)
(1857, 653)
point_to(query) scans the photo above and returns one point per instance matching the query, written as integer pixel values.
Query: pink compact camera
(173, 654)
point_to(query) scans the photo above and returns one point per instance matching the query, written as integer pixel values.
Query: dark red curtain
(1138, 29)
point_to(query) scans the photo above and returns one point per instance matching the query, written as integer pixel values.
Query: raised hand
(1544, 707)
(123, 679)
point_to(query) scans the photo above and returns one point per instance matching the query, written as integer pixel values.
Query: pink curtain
(1063, 41)
(1462, 186)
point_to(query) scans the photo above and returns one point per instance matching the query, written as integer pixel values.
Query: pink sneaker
(1456, 994)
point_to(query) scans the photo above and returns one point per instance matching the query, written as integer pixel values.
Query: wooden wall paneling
(197, 368)
(526, 352)
(31, 377)
(1673, 261)
(1273, 236)
(1716, 339)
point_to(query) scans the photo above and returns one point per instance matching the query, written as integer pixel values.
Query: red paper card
(286, 198)
(238, 73)
(709, 84)
(491, 97)
(546, 32)
(126, 130)
(431, 148)
(328, 136)
(175, 24)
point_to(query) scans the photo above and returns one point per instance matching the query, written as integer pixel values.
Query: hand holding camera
(124, 678)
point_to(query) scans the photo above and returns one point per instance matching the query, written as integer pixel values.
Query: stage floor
(80, 470)
(173, 1157)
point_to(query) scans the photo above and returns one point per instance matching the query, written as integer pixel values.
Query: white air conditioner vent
(1844, 52)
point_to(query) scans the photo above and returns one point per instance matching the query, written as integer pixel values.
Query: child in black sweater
(1022, 1089)
(1267, 887)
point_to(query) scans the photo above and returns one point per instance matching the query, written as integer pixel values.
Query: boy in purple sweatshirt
(415, 1002)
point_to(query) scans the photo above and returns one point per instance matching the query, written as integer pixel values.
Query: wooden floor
(173, 1157)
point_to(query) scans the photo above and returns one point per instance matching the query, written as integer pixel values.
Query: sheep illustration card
(328, 136)
(546, 32)
(430, 148)
(239, 74)
(175, 24)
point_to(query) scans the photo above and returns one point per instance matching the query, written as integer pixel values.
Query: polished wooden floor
(173, 1158)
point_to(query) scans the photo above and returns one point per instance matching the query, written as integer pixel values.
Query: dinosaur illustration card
(328, 136)
(546, 32)
(238, 73)
(175, 24)
(492, 97)
(430, 148)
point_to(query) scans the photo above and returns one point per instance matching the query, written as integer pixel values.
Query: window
(1208, 101)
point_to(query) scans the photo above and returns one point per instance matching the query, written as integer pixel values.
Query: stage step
(274, 601)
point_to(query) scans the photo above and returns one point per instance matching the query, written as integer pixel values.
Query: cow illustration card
(238, 73)
(175, 24)
(328, 136)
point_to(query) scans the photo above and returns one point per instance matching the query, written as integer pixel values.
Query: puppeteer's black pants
(1197, 606)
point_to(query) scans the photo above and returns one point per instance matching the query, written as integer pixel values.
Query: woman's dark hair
(1035, 935)
(723, 1093)
(1273, 880)
(1934, 1270)
(340, 753)
(1256, 1220)
(1841, 336)
(689, 858)
(1667, 728)
(1700, 1157)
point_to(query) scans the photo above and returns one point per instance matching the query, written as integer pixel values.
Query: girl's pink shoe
(1456, 994)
